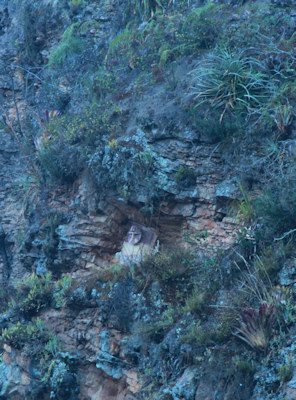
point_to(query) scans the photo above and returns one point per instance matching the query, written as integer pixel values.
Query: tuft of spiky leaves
(228, 80)
(256, 326)
(46, 116)
(147, 8)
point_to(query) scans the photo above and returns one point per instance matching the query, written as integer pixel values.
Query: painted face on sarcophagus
(134, 235)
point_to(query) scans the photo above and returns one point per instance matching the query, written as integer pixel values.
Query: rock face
(75, 230)
(121, 271)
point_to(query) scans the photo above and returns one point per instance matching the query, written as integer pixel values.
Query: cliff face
(147, 157)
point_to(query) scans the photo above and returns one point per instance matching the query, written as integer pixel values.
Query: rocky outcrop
(77, 324)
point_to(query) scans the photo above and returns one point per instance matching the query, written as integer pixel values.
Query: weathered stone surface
(204, 392)
(185, 385)
(287, 273)
(88, 238)
(229, 189)
(185, 210)
(15, 378)
(96, 386)
(291, 393)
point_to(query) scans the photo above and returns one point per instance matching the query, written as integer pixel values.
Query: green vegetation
(120, 46)
(41, 345)
(271, 259)
(74, 4)
(71, 43)
(156, 329)
(147, 8)
(65, 155)
(285, 372)
(196, 301)
(165, 38)
(185, 177)
(101, 83)
(276, 209)
(35, 293)
(246, 367)
(202, 27)
(186, 292)
(62, 290)
(30, 335)
(19, 335)
(124, 170)
(230, 81)
(165, 267)
(256, 326)
(206, 335)
(61, 160)
(245, 208)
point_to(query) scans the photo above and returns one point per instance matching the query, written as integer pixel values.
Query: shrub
(282, 116)
(126, 171)
(201, 27)
(74, 4)
(165, 38)
(102, 82)
(37, 292)
(245, 207)
(275, 209)
(185, 177)
(62, 153)
(230, 126)
(50, 239)
(155, 330)
(120, 48)
(29, 38)
(206, 334)
(165, 266)
(62, 161)
(120, 303)
(41, 345)
(196, 301)
(285, 372)
(71, 43)
(21, 334)
(62, 290)
(246, 367)
(271, 260)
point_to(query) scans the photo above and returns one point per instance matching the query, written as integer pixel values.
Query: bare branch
(285, 235)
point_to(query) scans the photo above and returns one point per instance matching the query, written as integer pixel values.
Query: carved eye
(134, 235)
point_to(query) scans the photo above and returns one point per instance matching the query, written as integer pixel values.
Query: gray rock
(184, 388)
(229, 189)
(106, 361)
(287, 274)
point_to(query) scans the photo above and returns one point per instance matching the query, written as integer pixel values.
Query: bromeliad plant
(229, 81)
(256, 326)
(265, 308)
(45, 117)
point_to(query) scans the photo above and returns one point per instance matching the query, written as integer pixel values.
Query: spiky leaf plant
(227, 80)
(256, 326)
